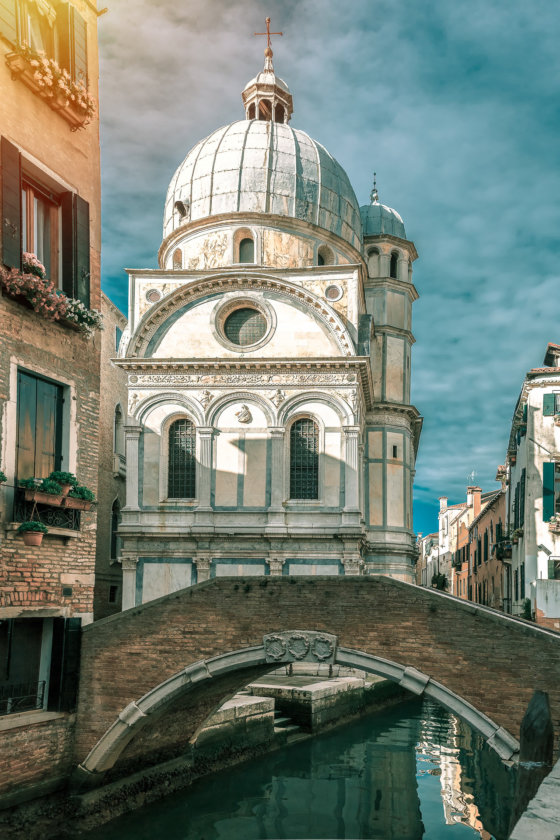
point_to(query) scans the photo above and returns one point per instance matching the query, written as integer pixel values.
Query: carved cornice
(237, 281)
(273, 373)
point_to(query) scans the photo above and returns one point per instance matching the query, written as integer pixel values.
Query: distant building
(488, 572)
(112, 466)
(533, 469)
(428, 558)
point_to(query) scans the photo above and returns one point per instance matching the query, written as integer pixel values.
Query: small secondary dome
(378, 219)
(258, 166)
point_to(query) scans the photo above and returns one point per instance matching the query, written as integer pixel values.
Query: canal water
(413, 771)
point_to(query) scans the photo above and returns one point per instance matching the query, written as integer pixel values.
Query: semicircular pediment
(292, 308)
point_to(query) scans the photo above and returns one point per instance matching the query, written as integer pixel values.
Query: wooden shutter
(82, 250)
(26, 424)
(79, 47)
(64, 36)
(548, 404)
(548, 490)
(8, 20)
(11, 205)
(65, 664)
(75, 247)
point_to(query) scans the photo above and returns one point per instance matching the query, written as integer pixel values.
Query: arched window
(279, 113)
(373, 262)
(115, 519)
(246, 251)
(325, 256)
(251, 111)
(393, 268)
(265, 110)
(304, 459)
(177, 258)
(181, 470)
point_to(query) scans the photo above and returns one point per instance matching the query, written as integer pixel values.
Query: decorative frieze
(300, 646)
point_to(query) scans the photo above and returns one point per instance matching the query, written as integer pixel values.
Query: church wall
(394, 369)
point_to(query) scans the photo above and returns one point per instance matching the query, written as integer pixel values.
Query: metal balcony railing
(53, 516)
(21, 697)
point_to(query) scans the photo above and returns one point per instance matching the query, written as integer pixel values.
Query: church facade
(269, 428)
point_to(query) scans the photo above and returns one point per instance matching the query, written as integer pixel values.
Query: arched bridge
(151, 675)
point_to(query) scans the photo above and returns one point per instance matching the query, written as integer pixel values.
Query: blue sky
(454, 104)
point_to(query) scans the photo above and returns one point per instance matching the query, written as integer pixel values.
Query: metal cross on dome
(268, 33)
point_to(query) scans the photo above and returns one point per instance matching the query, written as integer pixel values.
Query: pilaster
(275, 564)
(132, 441)
(276, 513)
(128, 563)
(205, 467)
(351, 514)
(202, 562)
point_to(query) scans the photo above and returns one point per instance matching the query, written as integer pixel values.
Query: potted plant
(47, 492)
(3, 477)
(32, 532)
(80, 498)
(67, 480)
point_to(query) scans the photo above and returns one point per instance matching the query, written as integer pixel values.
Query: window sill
(22, 70)
(23, 301)
(28, 719)
(65, 533)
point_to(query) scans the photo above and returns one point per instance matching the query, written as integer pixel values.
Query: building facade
(49, 345)
(112, 465)
(533, 469)
(269, 424)
(488, 569)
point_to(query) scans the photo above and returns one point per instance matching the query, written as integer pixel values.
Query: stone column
(276, 513)
(132, 440)
(205, 466)
(275, 563)
(351, 484)
(402, 269)
(128, 563)
(384, 265)
(202, 562)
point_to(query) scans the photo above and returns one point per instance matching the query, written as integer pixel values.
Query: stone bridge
(153, 674)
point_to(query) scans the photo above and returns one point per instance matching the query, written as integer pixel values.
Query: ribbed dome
(378, 219)
(256, 166)
(268, 77)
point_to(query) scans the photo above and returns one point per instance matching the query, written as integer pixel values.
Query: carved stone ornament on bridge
(300, 646)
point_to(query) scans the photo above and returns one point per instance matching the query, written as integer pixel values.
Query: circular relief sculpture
(245, 326)
(333, 292)
(153, 295)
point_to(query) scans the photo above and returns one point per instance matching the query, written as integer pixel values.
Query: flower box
(42, 498)
(76, 504)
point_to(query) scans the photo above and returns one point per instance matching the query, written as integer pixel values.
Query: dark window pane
(245, 327)
(246, 251)
(304, 460)
(181, 477)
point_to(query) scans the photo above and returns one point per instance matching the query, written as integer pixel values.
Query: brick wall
(491, 662)
(38, 753)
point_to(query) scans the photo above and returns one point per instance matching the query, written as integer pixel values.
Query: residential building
(533, 469)
(428, 558)
(112, 465)
(268, 359)
(49, 346)
(488, 569)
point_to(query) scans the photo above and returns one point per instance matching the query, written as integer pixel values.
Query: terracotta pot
(32, 537)
(65, 488)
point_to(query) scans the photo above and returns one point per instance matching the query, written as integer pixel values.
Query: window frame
(164, 497)
(288, 460)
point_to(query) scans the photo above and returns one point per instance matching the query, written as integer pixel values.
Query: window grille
(181, 476)
(245, 326)
(304, 460)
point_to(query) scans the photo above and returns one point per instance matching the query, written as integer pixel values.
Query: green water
(414, 771)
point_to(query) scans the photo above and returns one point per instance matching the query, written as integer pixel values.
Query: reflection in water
(411, 772)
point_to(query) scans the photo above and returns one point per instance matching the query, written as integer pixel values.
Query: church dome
(263, 166)
(378, 219)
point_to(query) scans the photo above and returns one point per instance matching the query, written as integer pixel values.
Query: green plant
(526, 611)
(3, 477)
(53, 488)
(80, 492)
(28, 483)
(63, 477)
(439, 581)
(34, 525)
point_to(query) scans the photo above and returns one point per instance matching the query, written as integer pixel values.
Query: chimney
(475, 494)
(442, 503)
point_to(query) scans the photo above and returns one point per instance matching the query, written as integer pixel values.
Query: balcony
(58, 519)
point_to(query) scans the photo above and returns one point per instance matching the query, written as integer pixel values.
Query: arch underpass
(152, 675)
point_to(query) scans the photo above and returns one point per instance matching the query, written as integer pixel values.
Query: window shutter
(26, 424)
(11, 205)
(64, 36)
(522, 498)
(8, 20)
(548, 490)
(82, 250)
(65, 664)
(79, 47)
(75, 247)
(548, 404)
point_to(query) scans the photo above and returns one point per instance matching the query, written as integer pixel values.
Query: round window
(153, 295)
(245, 326)
(333, 292)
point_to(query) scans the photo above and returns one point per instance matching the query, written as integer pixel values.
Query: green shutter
(548, 404)
(79, 47)
(548, 490)
(8, 20)
(68, 250)
(11, 205)
(75, 247)
(82, 250)
(26, 424)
